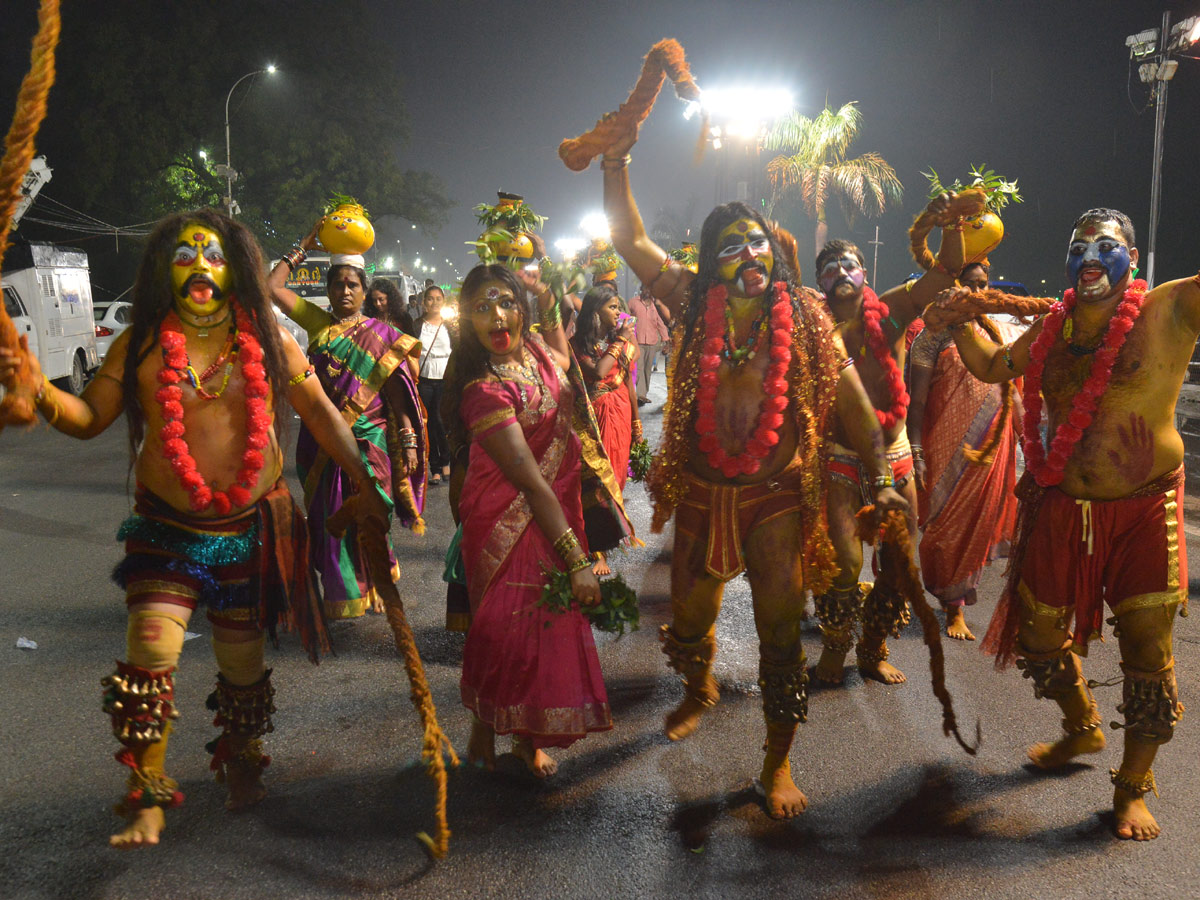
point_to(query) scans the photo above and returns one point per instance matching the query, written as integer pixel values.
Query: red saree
(526, 670)
(614, 412)
(967, 512)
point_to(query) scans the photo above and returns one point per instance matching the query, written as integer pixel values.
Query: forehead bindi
(1090, 232)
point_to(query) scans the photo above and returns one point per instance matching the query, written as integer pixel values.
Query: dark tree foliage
(141, 89)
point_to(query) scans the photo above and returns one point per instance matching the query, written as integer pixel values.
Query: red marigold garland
(770, 414)
(1048, 468)
(874, 311)
(258, 418)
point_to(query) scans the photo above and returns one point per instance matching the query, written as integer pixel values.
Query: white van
(48, 295)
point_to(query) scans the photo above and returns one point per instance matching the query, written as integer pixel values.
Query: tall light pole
(229, 173)
(1158, 72)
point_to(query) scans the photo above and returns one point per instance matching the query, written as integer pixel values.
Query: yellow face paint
(199, 272)
(744, 258)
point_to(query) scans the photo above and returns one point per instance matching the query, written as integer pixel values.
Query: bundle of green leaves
(1000, 192)
(335, 200)
(616, 611)
(640, 460)
(516, 218)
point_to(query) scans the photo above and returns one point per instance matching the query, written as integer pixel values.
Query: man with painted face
(756, 380)
(1101, 515)
(873, 330)
(198, 375)
(369, 371)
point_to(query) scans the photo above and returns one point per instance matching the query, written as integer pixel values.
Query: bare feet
(1066, 748)
(684, 719)
(245, 786)
(142, 831)
(1133, 819)
(882, 671)
(601, 569)
(376, 602)
(830, 668)
(956, 624)
(538, 762)
(481, 748)
(783, 799)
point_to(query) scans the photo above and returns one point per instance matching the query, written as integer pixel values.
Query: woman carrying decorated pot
(527, 670)
(437, 342)
(605, 347)
(368, 369)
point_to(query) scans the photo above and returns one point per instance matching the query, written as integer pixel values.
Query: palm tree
(813, 164)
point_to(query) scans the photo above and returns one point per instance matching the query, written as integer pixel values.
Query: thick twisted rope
(666, 59)
(970, 202)
(18, 407)
(953, 310)
(895, 547)
(434, 744)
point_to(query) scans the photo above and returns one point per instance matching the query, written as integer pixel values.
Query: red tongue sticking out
(200, 292)
(501, 340)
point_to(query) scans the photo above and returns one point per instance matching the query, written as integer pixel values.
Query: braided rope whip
(666, 59)
(897, 565)
(17, 407)
(435, 746)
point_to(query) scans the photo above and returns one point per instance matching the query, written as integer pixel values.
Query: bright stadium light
(569, 246)
(595, 225)
(742, 110)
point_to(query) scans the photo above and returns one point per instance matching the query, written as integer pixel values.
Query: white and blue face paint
(1098, 258)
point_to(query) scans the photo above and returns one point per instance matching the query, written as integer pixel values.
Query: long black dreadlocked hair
(706, 276)
(153, 299)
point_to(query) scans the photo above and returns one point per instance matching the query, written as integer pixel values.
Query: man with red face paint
(198, 375)
(755, 382)
(873, 330)
(1101, 514)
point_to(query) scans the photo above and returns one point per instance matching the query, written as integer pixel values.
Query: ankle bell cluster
(140, 702)
(784, 690)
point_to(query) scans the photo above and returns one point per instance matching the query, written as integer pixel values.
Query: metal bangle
(1006, 355)
(580, 564)
(609, 163)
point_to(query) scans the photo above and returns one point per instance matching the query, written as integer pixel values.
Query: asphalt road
(896, 810)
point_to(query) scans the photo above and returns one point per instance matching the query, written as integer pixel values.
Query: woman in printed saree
(368, 369)
(527, 671)
(965, 461)
(605, 348)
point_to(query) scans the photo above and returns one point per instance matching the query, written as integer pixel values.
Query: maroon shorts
(1128, 553)
(724, 514)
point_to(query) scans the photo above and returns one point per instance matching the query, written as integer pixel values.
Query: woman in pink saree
(527, 671)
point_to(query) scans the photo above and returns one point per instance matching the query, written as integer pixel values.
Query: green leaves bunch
(511, 218)
(616, 611)
(640, 460)
(998, 190)
(335, 200)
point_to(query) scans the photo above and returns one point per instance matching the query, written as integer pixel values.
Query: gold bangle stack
(551, 317)
(580, 564)
(565, 543)
(408, 439)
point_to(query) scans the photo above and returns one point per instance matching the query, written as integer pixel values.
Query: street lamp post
(1158, 73)
(230, 175)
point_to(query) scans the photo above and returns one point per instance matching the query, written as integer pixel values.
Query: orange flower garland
(775, 385)
(258, 419)
(873, 312)
(1048, 468)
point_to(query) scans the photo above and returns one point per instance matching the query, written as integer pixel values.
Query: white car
(111, 319)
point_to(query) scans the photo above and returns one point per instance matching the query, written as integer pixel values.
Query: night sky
(1041, 92)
